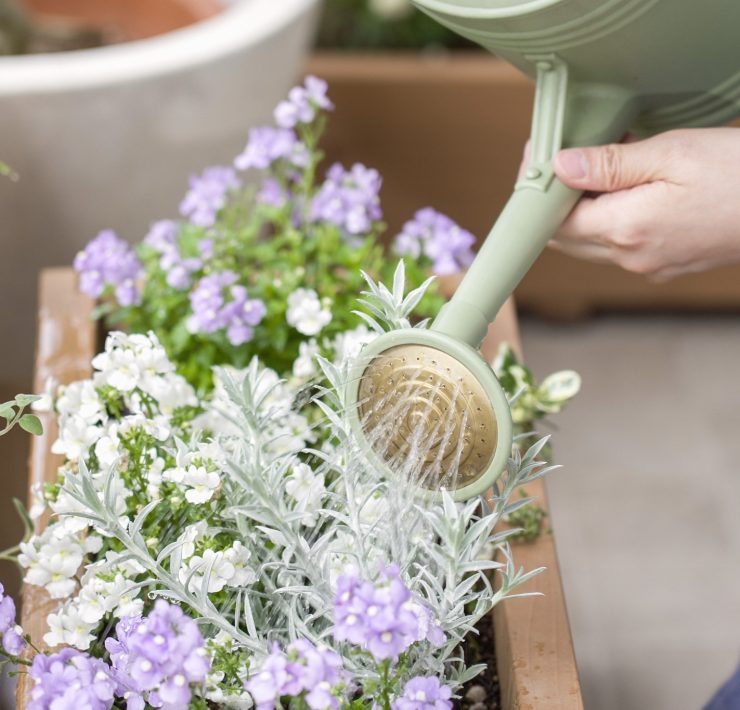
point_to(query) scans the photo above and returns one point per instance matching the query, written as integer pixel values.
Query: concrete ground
(647, 507)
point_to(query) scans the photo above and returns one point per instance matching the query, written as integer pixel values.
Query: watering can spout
(566, 115)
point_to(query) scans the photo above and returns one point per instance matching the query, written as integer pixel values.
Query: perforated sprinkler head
(429, 409)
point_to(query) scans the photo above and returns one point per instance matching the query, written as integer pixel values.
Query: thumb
(608, 168)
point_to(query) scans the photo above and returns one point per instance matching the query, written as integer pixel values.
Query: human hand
(667, 205)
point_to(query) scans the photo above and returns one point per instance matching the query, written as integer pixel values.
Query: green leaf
(23, 400)
(32, 424)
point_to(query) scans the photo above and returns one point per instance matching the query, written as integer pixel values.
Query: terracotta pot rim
(246, 22)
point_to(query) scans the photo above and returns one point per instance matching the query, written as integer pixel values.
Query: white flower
(222, 571)
(171, 392)
(76, 436)
(305, 313)
(118, 369)
(67, 627)
(202, 484)
(81, 399)
(107, 448)
(52, 562)
(38, 502)
(45, 403)
(347, 345)
(304, 366)
(239, 555)
(190, 536)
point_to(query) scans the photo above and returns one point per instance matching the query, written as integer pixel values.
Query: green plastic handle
(564, 116)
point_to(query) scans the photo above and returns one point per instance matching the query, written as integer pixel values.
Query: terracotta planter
(447, 130)
(106, 137)
(127, 19)
(536, 665)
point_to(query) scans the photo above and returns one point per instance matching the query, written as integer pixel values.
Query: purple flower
(158, 658)
(439, 238)
(162, 237)
(207, 195)
(71, 680)
(267, 145)
(109, 261)
(385, 619)
(424, 693)
(13, 641)
(7, 611)
(305, 668)
(273, 194)
(213, 312)
(349, 198)
(302, 103)
(266, 686)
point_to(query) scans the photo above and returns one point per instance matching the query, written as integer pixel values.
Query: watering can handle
(565, 115)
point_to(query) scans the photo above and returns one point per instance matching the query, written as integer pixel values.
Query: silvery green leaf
(399, 281)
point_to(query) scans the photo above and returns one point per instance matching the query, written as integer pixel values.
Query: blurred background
(106, 108)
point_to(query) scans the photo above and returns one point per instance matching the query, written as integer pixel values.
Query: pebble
(476, 694)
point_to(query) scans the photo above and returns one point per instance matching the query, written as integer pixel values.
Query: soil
(483, 692)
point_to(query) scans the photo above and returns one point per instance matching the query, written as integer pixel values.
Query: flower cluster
(162, 237)
(305, 312)
(207, 195)
(155, 660)
(70, 679)
(213, 310)
(303, 103)
(385, 619)
(349, 198)
(12, 634)
(159, 658)
(266, 145)
(109, 262)
(424, 693)
(312, 673)
(437, 237)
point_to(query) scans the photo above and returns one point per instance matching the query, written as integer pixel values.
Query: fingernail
(572, 164)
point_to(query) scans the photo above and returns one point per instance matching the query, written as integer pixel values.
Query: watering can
(602, 68)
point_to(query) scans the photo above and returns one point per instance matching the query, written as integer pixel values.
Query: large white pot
(107, 137)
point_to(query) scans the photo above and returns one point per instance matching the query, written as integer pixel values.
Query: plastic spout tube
(528, 221)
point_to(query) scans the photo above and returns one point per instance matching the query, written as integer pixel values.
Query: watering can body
(602, 68)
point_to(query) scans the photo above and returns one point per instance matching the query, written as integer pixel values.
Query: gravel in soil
(483, 691)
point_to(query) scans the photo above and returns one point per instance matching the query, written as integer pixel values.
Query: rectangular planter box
(447, 130)
(536, 664)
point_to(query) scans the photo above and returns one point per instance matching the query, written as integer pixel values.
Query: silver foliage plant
(265, 509)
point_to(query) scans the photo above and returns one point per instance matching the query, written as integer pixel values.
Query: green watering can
(424, 402)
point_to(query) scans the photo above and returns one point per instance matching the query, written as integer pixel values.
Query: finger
(590, 251)
(611, 167)
(593, 219)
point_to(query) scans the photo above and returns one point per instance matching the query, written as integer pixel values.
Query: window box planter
(447, 129)
(536, 665)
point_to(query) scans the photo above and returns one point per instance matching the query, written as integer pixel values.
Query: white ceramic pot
(107, 137)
